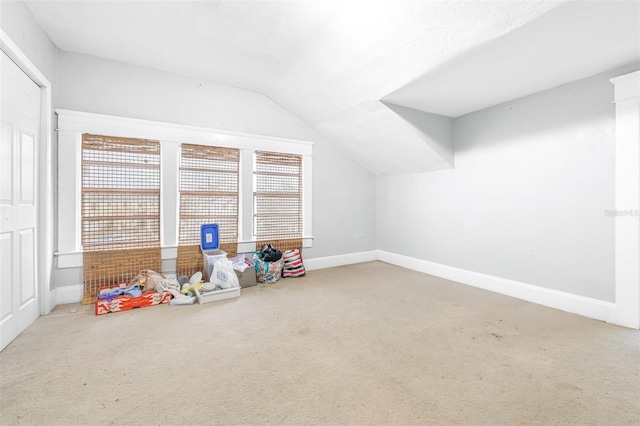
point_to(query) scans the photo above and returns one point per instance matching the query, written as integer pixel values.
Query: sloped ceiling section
(435, 130)
(573, 41)
(331, 62)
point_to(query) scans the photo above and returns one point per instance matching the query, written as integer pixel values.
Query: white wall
(91, 84)
(17, 21)
(527, 198)
(344, 205)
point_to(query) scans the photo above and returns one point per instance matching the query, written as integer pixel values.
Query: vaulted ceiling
(367, 75)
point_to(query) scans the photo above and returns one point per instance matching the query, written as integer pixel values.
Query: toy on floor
(195, 283)
(147, 279)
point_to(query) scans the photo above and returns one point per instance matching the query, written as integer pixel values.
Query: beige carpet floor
(367, 344)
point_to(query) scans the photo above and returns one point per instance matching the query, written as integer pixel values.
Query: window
(120, 217)
(120, 193)
(104, 205)
(277, 205)
(208, 194)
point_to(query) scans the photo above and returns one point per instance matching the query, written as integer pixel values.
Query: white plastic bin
(214, 296)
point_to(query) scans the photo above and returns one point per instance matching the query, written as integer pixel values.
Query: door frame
(627, 199)
(44, 225)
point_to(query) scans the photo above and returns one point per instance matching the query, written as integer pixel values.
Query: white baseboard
(585, 306)
(340, 260)
(66, 294)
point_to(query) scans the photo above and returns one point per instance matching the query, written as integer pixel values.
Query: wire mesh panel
(277, 198)
(208, 194)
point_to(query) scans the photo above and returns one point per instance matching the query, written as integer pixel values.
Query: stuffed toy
(147, 279)
(195, 283)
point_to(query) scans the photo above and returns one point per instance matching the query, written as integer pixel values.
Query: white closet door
(19, 141)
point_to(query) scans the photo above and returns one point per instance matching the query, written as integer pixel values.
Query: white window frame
(71, 126)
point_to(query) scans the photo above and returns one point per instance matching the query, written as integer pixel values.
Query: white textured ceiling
(576, 40)
(331, 62)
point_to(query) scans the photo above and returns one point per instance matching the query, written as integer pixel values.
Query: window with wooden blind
(120, 218)
(118, 208)
(208, 194)
(120, 193)
(277, 204)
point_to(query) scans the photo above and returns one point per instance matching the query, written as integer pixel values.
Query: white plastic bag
(223, 274)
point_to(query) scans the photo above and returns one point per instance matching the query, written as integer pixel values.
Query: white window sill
(74, 259)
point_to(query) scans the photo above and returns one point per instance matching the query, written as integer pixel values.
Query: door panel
(27, 267)
(27, 169)
(6, 162)
(6, 265)
(28, 103)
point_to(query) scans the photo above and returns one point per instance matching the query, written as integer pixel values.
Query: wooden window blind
(209, 185)
(278, 199)
(208, 192)
(120, 193)
(120, 210)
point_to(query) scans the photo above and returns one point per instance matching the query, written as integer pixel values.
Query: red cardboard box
(125, 303)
